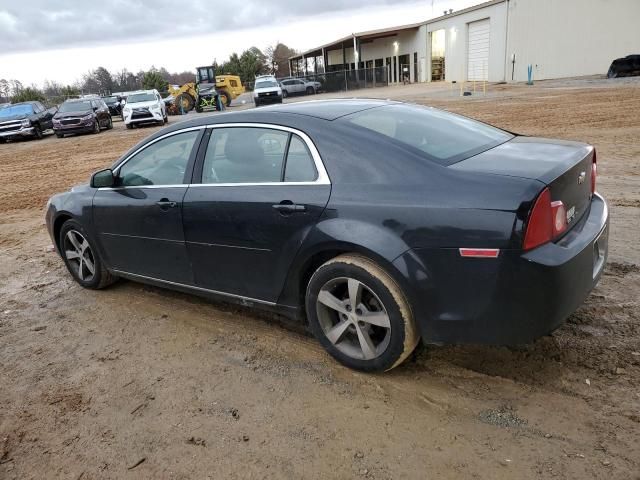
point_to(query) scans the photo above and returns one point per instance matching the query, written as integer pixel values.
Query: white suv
(144, 106)
(266, 90)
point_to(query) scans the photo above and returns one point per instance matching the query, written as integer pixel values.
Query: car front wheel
(81, 258)
(359, 314)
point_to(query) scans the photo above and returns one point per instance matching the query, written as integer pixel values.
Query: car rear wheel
(310, 91)
(359, 314)
(81, 258)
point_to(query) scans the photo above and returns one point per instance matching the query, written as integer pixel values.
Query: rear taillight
(547, 220)
(559, 214)
(594, 172)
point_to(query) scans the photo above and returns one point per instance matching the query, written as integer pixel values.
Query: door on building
(478, 50)
(437, 55)
(404, 68)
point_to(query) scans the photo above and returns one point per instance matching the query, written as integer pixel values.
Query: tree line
(247, 65)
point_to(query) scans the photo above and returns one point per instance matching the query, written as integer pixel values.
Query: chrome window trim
(147, 145)
(322, 179)
(323, 176)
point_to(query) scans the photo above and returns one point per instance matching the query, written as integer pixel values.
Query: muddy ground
(139, 382)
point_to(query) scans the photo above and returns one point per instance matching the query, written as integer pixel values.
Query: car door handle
(286, 207)
(166, 204)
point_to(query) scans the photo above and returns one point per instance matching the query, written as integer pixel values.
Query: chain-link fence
(347, 80)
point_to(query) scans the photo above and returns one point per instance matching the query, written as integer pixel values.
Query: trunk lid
(564, 166)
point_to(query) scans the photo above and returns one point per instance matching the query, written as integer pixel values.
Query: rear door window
(439, 136)
(300, 166)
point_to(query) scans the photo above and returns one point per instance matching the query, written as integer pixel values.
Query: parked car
(25, 119)
(115, 107)
(82, 116)
(383, 223)
(299, 86)
(144, 107)
(624, 67)
(266, 90)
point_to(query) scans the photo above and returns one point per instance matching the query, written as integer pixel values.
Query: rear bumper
(513, 299)
(23, 132)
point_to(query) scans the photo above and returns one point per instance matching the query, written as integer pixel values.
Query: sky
(63, 39)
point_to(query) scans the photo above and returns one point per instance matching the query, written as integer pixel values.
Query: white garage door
(478, 56)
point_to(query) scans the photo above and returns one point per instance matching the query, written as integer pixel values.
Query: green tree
(154, 79)
(29, 94)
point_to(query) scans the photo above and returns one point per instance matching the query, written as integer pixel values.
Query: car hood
(13, 118)
(267, 89)
(152, 103)
(80, 113)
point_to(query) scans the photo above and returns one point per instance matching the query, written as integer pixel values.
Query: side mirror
(103, 178)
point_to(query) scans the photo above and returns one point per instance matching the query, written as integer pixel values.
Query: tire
(166, 119)
(79, 254)
(110, 124)
(285, 94)
(310, 91)
(129, 126)
(96, 127)
(37, 132)
(187, 101)
(359, 344)
(3, 140)
(60, 135)
(256, 104)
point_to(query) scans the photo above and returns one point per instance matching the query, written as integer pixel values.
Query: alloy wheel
(79, 255)
(353, 318)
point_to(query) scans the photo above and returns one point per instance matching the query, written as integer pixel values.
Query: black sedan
(381, 223)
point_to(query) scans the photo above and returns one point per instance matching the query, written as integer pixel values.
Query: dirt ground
(139, 382)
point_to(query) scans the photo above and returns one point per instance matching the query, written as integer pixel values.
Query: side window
(233, 83)
(244, 155)
(300, 166)
(162, 163)
(36, 107)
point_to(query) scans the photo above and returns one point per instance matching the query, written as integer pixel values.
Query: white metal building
(495, 41)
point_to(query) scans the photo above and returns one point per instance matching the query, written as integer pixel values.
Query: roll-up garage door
(478, 50)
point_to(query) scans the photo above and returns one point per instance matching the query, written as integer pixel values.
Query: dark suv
(115, 107)
(82, 115)
(24, 120)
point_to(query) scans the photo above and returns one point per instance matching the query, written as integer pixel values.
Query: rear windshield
(110, 100)
(16, 110)
(442, 137)
(75, 107)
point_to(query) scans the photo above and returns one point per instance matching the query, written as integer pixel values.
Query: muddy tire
(359, 314)
(81, 257)
(37, 132)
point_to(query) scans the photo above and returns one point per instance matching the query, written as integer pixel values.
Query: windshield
(266, 84)
(75, 107)
(141, 97)
(110, 100)
(16, 110)
(440, 136)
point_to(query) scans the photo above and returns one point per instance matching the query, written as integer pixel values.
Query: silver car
(299, 86)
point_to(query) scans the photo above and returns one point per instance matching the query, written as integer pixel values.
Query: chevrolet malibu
(381, 223)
